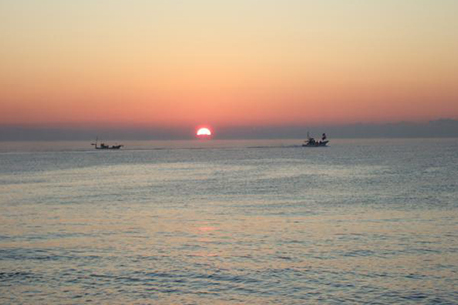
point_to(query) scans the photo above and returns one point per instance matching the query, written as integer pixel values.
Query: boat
(105, 146)
(311, 142)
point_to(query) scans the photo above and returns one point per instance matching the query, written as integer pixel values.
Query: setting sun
(204, 132)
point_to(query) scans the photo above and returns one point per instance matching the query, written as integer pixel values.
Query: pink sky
(227, 63)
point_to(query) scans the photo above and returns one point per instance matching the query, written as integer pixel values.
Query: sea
(363, 221)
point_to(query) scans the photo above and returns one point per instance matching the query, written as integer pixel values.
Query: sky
(171, 63)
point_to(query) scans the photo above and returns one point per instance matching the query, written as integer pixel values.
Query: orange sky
(240, 62)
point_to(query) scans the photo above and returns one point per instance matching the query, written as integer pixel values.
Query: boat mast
(95, 144)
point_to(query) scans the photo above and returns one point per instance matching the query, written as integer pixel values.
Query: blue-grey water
(230, 222)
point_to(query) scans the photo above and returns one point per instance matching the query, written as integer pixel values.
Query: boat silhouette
(311, 142)
(105, 146)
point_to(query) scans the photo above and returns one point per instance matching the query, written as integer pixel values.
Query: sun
(203, 132)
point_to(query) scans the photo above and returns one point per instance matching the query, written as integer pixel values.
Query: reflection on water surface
(231, 224)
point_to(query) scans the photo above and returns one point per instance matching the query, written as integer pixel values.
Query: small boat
(311, 142)
(105, 146)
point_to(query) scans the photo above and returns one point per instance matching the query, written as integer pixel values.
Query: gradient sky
(237, 62)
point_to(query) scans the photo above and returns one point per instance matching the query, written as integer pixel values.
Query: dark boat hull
(317, 144)
(105, 146)
(109, 148)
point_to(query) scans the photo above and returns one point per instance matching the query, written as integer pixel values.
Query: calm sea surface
(230, 222)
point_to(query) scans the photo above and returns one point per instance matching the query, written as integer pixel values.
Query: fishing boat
(311, 142)
(105, 146)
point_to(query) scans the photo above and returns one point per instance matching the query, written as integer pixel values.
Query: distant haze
(437, 128)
